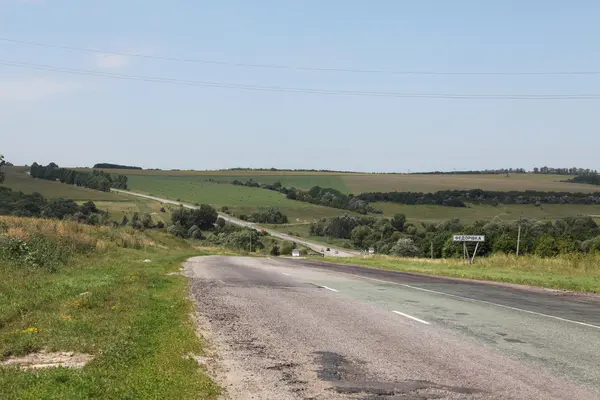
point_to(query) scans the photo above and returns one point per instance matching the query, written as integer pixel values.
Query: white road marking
(411, 317)
(482, 301)
(286, 274)
(328, 288)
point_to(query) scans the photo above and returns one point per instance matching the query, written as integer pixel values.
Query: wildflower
(66, 317)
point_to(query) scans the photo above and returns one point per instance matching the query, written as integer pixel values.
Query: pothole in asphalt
(42, 359)
(345, 378)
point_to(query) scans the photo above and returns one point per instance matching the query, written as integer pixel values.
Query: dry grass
(78, 235)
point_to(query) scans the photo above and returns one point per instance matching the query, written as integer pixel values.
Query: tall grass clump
(46, 243)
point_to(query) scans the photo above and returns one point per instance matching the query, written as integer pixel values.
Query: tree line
(114, 166)
(459, 198)
(565, 171)
(98, 180)
(398, 237)
(592, 179)
(19, 204)
(361, 203)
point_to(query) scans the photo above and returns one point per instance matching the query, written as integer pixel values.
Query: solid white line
(328, 288)
(411, 317)
(283, 273)
(483, 302)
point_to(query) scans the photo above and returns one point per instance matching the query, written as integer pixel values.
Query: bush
(287, 247)
(405, 247)
(546, 246)
(274, 250)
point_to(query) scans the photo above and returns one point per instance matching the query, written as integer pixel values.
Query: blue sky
(79, 119)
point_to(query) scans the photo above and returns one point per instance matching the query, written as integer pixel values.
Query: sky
(68, 106)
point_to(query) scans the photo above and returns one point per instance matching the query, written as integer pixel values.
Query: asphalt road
(335, 252)
(297, 329)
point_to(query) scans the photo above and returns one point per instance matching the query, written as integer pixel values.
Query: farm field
(362, 182)
(17, 179)
(506, 212)
(239, 199)
(117, 205)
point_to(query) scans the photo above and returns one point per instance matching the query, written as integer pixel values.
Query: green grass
(239, 199)
(579, 273)
(130, 315)
(361, 182)
(507, 212)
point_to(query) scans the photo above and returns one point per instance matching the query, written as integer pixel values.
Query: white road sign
(469, 238)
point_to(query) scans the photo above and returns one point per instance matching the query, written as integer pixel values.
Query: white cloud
(112, 61)
(35, 89)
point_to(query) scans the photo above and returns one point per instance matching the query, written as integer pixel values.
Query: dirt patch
(44, 359)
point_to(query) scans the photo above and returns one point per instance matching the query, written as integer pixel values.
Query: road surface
(298, 329)
(311, 245)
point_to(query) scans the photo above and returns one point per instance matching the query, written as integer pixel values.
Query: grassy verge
(88, 290)
(576, 273)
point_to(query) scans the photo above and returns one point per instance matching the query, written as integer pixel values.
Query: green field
(239, 199)
(194, 187)
(361, 182)
(506, 212)
(17, 179)
(117, 205)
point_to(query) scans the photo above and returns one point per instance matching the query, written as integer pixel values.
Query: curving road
(298, 329)
(312, 245)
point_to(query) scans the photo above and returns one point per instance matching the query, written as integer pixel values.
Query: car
(328, 249)
(336, 252)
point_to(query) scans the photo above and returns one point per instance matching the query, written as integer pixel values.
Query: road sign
(469, 238)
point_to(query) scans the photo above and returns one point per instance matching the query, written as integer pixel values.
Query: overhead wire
(284, 89)
(293, 67)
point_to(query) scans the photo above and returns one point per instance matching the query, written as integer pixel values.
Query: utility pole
(519, 234)
(431, 250)
(250, 242)
(518, 238)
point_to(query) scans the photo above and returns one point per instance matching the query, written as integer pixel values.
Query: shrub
(405, 247)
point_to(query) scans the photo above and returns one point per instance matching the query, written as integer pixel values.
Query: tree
(195, 233)
(359, 236)
(274, 250)
(398, 222)
(146, 221)
(59, 208)
(546, 246)
(2, 163)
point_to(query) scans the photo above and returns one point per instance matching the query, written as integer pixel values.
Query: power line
(452, 96)
(292, 67)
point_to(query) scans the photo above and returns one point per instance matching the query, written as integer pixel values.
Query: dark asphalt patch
(348, 378)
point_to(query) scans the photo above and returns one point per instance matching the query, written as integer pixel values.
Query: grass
(239, 199)
(579, 273)
(17, 179)
(105, 301)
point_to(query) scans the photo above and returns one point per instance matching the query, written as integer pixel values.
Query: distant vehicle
(295, 253)
(335, 252)
(328, 249)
